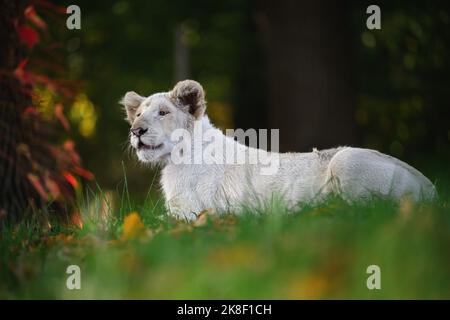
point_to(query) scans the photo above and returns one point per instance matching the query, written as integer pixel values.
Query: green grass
(317, 252)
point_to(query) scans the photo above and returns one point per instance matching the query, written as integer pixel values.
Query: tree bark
(309, 73)
(16, 134)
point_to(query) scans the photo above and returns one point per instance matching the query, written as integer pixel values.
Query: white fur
(352, 173)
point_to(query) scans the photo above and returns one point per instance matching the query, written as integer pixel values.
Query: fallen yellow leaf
(203, 217)
(311, 287)
(132, 226)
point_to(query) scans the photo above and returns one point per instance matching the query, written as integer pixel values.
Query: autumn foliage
(39, 167)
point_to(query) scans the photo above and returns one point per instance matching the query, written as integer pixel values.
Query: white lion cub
(162, 122)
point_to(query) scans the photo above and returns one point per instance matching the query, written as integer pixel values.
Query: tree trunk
(309, 73)
(16, 191)
(181, 53)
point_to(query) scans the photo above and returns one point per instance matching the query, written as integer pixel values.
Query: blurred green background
(310, 68)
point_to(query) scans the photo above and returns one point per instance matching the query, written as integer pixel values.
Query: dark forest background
(310, 68)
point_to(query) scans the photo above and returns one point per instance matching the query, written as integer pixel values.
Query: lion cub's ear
(131, 101)
(190, 93)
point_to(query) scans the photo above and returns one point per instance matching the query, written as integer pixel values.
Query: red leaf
(28, 35)
(32, 16)
(30, 110)
(84, 173)
(19, 72)
(44, 4)
(61, 117)
(69, 147)
(52, 186)
(37, 185)
(22, 64)
(71, 179)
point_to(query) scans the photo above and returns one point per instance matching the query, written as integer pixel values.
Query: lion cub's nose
(138, 131)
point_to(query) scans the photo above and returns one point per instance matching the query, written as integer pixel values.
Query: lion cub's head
(154, 118)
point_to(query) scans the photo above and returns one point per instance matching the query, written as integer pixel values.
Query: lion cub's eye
(138, 114)
(163, 113)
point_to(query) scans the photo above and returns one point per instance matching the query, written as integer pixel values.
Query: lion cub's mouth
(143, 146)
